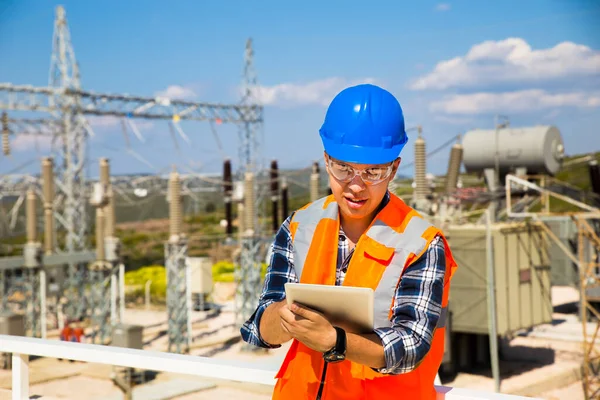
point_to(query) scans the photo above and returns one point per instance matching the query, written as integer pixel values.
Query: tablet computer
(348, 304)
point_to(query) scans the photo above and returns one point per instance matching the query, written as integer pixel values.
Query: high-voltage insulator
(274, 194)
(30, 216)
(175, 217)
(454, 167)
(595, 176)
(5, 142)
(249, 202)
(99, 234)
(228, 189)
(109, 208)
(284, 198)
(48, 193)
(421, 190)
(241, 220)
(314, 182)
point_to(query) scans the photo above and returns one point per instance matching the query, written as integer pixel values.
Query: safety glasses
(370, 176)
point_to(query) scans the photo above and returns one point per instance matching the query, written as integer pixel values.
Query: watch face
(335, 357)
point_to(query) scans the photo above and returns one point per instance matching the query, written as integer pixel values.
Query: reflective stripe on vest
(308, 219)
(408, 241)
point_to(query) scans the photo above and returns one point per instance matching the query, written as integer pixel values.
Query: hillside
(143, 224)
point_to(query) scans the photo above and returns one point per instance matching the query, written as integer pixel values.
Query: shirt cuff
(393, 350)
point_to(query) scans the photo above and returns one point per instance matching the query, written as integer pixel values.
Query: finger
(286, 315)
(305, 312)
(285, 326)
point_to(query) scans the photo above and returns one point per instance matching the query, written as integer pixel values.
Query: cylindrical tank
(421, 189)
(540, 149)
(454, 167)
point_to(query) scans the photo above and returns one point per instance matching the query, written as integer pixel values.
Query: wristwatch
(338, 352)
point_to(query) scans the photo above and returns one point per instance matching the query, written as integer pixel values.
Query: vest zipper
(323, 375)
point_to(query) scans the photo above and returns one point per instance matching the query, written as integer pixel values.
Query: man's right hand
(270, 325)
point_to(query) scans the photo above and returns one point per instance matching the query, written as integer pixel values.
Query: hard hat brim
(360, 154)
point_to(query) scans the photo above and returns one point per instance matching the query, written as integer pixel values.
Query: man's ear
(396, 166)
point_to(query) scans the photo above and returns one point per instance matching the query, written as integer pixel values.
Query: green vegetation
(222, 271)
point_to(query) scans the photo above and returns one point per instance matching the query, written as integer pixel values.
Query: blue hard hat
(364, 124)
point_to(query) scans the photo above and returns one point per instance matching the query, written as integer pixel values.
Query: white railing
(22, 347)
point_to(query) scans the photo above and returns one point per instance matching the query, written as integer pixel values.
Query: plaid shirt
(416, 311)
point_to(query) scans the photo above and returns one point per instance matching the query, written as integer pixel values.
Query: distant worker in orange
(78, 332)
(65, 334)
(360, 235)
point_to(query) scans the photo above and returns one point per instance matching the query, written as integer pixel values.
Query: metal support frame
(100, 305)
(589, 272)
(178, 330)
(590, 281)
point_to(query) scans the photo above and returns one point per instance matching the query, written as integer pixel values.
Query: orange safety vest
(396, 238)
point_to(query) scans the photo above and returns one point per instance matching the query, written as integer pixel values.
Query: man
(361, 235)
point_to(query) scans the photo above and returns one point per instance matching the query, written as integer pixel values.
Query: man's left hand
(308, 326)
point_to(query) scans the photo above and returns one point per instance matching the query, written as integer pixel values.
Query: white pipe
(491, 290)
(20, 377)
(122, 293)
(43, 310)
(188, 295)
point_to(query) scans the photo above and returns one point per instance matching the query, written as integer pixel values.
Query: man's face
(358, 196)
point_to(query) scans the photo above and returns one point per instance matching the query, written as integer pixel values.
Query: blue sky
(453, 65)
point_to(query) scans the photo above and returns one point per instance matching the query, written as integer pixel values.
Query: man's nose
(357, 184)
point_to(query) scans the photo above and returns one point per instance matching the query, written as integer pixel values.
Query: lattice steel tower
(251, 165)
(70, 159)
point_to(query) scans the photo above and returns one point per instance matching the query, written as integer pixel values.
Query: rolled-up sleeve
(416, 312)
(279, 271)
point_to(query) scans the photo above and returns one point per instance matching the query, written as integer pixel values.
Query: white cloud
(442, 7)
(453, 120)
(319, 92)
(511, 60)
(26, 142)
(177, 92)
(514, 102)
